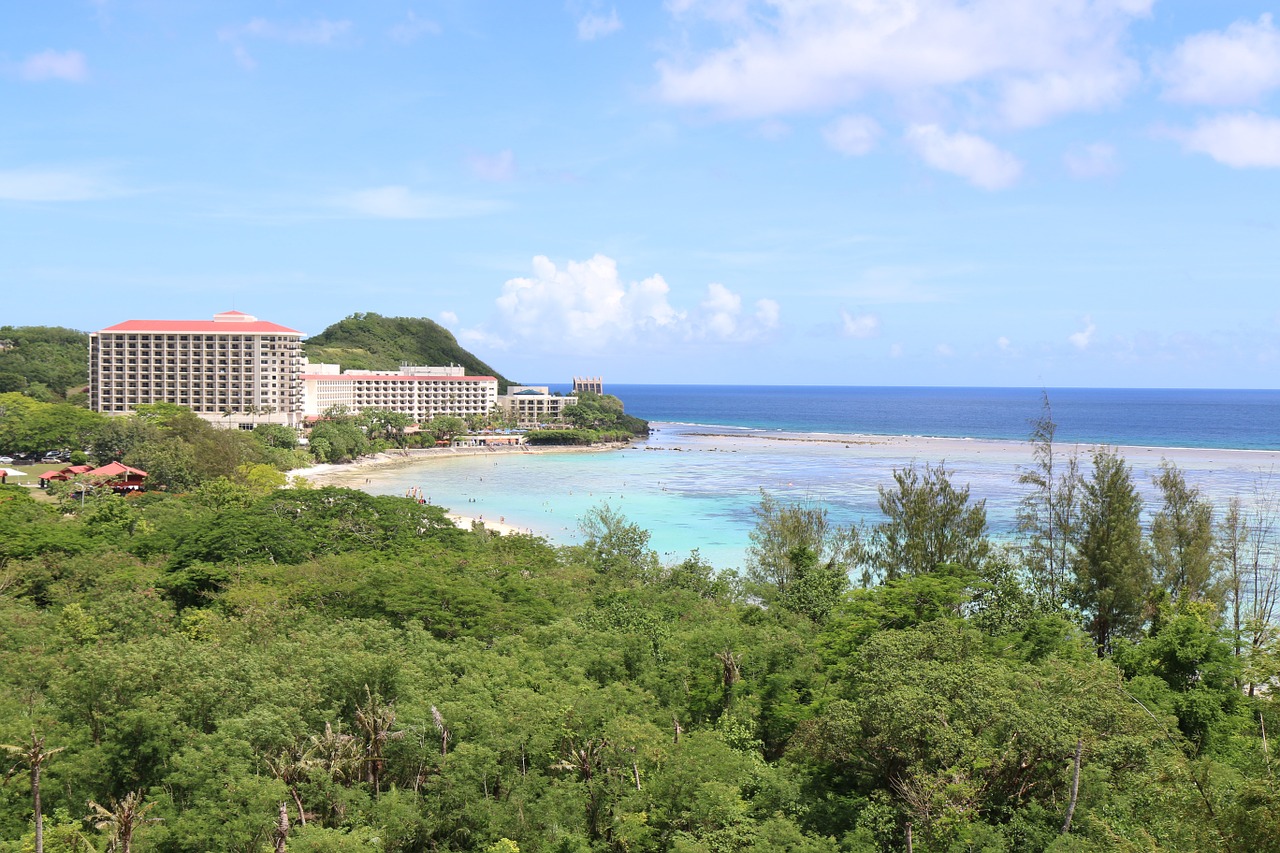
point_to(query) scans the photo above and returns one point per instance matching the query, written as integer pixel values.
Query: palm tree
(32, 756)
(121, 820)
(376, 720)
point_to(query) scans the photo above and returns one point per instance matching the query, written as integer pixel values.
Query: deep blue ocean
(1246, 420)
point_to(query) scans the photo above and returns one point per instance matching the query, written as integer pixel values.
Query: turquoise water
(695, 487)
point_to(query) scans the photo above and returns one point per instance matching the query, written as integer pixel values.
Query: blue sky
(850, 192)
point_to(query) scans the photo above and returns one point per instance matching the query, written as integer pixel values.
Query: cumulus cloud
(592, 26)
(852, 135)
(400, 202)
(1242, 140)
(493, 167)
(40, 185)
(411, 28)
(945, 350)
(1097, 160)
(1036, 100)
(1003, 343)
(448, 318)
(321, 32)
(860, 325)
(970, 157)
(1084, 337)
(66, 65)
(1236, 66)
(721, 316)
(1038, 59)
(588, 306)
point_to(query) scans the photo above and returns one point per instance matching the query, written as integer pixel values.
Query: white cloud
(67, 65)
(720, 317)
(1003, 343)
(1033, 101)
(1084, 337)
(895, 350)
(852, 135)
(448, 318)
(321, 32)
(592, 26)
(412, 28)
(768, 313)
(859, 326)
(945, 350)
(971, 157)
(400, 202)
(1041, 57)
(36, 185)
(1235, 66)
(493, 167)
(587, 306)
(1097, 160)
(1241, 140)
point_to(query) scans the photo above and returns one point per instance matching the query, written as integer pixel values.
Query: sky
(1039, 193)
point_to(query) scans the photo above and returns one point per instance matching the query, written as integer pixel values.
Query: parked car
(6, 460)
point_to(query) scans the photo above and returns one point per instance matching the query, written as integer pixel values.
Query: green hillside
(374, 342)
(44, 362)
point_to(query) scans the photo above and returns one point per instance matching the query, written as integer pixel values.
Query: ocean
(1244, 420)
(694, 483)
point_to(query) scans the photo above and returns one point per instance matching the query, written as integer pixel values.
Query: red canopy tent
(118, 476)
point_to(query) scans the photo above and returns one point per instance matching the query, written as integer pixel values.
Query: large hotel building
(238, 371)
(234, 370)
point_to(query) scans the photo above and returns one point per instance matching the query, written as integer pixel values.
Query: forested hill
(44, 362)
(374, 342)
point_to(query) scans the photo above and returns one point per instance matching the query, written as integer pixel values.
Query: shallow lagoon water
(696, 487)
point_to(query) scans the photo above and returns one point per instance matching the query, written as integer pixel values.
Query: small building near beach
(533, 404)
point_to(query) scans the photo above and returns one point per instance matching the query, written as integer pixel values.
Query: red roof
(115, 469)
(230, 324)
(343, 377)
(66, 473)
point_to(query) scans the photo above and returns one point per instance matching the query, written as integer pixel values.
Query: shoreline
(692, 438)
(344, 473)
(548, 508)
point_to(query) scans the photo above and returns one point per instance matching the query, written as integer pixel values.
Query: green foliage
(1048, 515)
(604, 413)
(928, 522)
(30, 426)
(577, 437)
(798, 559)
(48, 357)
(338, 440)
(407, 686)
(370, 341)
(1112, 569)
(1182, 546)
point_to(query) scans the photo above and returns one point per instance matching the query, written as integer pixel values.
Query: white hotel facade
(422, 393)
(238, 371)
(233, 370)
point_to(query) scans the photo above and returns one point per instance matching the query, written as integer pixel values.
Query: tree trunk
(35, 803)
(910, 847)
(282, 829)
(1075, 788)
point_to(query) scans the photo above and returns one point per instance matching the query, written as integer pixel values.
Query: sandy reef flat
(670, 443)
